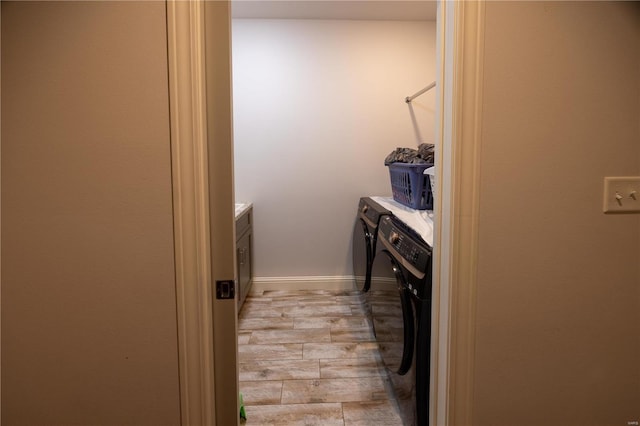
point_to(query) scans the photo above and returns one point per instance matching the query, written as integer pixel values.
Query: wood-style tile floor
(309, 358)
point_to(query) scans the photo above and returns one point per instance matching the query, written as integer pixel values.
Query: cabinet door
(244, 267)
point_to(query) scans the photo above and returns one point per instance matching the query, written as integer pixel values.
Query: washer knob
(394, 237)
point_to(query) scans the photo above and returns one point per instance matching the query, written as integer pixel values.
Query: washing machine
(399, 300)
(365, 234)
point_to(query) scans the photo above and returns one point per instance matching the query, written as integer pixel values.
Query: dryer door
(361, 252)
(391, 313)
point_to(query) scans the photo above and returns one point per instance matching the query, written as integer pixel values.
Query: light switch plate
(622, 194)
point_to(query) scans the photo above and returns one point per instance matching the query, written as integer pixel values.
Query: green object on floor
(243, 413)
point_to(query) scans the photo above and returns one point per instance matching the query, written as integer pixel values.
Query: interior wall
(318, 105)
(88, 296)
(558, 285)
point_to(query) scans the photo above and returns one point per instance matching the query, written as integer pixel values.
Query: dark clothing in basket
(422, 155)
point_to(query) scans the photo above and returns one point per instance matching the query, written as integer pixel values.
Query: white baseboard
(303, 283)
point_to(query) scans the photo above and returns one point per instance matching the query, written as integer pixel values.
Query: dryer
(365, 235)
(399, 300)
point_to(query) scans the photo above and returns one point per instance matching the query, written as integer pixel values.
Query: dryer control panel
(371, 211)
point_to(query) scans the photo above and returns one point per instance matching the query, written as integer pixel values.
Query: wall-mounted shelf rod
(408, 99)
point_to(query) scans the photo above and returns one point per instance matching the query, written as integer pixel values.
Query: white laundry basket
(431, 171)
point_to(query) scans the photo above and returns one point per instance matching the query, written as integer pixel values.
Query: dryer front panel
(361, 252)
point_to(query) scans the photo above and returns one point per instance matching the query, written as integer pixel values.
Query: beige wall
(558, 296)
(88, 294)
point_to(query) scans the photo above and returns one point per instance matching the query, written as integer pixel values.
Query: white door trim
(456, 236)
(185, 32)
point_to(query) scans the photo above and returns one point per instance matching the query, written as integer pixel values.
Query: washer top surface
(420, 221)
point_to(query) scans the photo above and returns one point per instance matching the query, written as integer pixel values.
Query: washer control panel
(410, 251)
(408, 247)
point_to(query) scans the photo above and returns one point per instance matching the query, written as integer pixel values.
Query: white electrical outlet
(622, 194)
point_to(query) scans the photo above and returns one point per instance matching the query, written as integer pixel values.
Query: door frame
(198, 44)
(460, 58)
(187, 90)
(461, 35)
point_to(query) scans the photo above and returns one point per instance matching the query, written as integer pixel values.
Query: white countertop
(241, 208)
